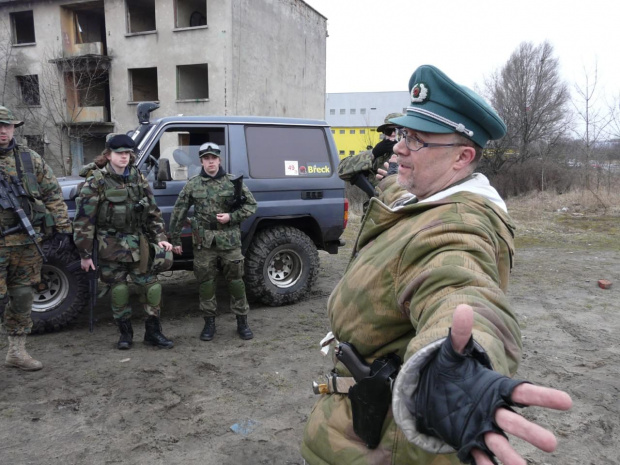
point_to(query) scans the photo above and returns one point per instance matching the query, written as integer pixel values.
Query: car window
(286, 151)
(180, 145)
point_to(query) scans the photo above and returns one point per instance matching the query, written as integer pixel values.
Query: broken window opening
(22, 24)
(140, 16)
(143, 84)
(193, 82)
(190, 13)
(29, 89)
(89, 27)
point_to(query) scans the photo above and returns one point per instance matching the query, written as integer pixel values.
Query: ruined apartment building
(76, 70)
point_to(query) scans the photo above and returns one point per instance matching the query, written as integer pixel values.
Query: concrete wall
(279, 59)
(164, 49)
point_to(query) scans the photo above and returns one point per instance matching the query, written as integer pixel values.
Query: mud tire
(281, 265)
(65, 294)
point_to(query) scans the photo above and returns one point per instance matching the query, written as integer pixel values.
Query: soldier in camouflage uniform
(20, 262)
(117, 208)
(368, 163)
(216, 233)
(426, 285)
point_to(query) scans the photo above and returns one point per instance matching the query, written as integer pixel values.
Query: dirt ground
(233, 402)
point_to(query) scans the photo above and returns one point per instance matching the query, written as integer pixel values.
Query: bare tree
(6, 52)
(532, 99)
(58, 106)
(594, 125)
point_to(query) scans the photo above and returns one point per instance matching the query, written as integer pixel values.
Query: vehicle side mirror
(163, 174)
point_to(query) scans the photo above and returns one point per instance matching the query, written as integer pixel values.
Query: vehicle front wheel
(61, 295)
(281, 265)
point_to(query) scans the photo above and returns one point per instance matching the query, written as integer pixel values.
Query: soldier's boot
(209, 329)
(243, 329)
(126, 339)
(153, 334)
(18, 357)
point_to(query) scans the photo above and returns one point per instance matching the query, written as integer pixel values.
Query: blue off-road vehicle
(290, 165)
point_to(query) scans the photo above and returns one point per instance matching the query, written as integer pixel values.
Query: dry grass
(576, 219)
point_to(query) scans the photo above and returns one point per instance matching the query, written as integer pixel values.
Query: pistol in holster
(371, 396)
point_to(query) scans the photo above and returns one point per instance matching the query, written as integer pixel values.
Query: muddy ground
(233, 402)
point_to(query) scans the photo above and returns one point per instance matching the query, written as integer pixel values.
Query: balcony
(80, 50)
(88, 115)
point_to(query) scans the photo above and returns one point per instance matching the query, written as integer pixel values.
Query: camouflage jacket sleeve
(247, 210)
(85, 220)
(179, 214)
(354, 164)
(51, 195)
(155, 227)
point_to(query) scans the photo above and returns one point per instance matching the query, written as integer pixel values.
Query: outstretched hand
(511, 422)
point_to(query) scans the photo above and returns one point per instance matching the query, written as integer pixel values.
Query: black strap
(27, 161)
(25, 158)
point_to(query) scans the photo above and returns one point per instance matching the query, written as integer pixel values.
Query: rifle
(93, 279)
(239, 198)
(9, 193)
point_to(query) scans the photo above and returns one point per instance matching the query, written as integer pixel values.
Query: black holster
(371, 398)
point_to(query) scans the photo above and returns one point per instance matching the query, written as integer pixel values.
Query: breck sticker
(316, 169)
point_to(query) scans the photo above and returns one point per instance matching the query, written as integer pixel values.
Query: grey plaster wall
(279, 55)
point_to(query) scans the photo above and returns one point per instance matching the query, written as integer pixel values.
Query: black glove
(457, 398)
(61, 240)
(383, 147)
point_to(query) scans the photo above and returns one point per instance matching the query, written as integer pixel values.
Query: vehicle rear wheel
(281, 266)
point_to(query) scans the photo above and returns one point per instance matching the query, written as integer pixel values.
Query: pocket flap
(116, 195)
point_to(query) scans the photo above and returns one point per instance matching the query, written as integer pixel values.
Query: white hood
(478, 184)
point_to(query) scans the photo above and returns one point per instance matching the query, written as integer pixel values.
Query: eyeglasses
(414, 144)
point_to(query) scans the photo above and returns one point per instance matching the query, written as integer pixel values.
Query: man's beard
(406, 183)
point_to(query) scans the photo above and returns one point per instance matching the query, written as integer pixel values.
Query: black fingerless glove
(383, 147)
(457, 398)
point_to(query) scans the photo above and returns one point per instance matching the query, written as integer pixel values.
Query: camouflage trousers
(20, 269)
(205, 270)
(112, 273)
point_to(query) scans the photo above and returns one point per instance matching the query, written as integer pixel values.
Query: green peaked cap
(440, 105)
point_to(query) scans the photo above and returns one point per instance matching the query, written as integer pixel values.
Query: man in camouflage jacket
(20, 262)
(369, 162)
(426, 285)
(216, 234)
(116, 207)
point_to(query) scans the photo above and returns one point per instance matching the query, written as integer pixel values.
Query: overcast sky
(375, 46)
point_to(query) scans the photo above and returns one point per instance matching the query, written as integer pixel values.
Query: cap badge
(420, 93)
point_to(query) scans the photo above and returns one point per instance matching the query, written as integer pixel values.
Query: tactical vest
(212, 198)
(32, 204)
(124, 207)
